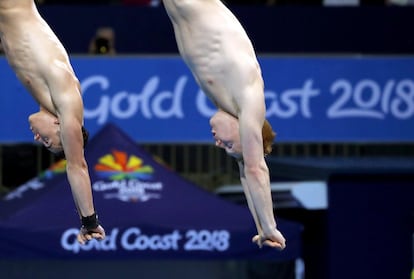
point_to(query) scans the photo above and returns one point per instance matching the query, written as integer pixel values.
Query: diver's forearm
(261, 200)
(81, 190)
(251, 205)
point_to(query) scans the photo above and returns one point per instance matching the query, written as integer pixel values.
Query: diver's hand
(85, 235)
(275, 240)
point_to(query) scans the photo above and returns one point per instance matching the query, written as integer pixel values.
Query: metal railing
(204, 164)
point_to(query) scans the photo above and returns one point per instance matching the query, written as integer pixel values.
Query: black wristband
(90, 222)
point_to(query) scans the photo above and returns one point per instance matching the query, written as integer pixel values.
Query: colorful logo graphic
(38, 182)
(118, 166)
(55, 169)
(130, 180)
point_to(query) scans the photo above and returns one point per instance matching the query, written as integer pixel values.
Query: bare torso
(22, 39)
(42, 65)
(221, 57)
(218, 51)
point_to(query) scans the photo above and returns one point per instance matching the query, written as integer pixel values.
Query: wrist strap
(90, 222)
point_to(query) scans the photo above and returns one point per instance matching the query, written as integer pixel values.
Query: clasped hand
(275, 241)
(86, 235)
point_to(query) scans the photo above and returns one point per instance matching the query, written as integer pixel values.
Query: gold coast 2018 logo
(38, 182)
(119, 165)
(55, 169)
(126, 177)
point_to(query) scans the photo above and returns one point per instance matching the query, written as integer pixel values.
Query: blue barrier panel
(309, 99)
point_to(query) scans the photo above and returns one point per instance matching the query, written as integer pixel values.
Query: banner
(308, 99)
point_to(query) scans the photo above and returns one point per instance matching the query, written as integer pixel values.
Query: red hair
(268, 137)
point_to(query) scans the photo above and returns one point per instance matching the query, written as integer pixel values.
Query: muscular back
(217, 50)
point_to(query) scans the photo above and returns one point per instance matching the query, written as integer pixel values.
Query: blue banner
(308, 99)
